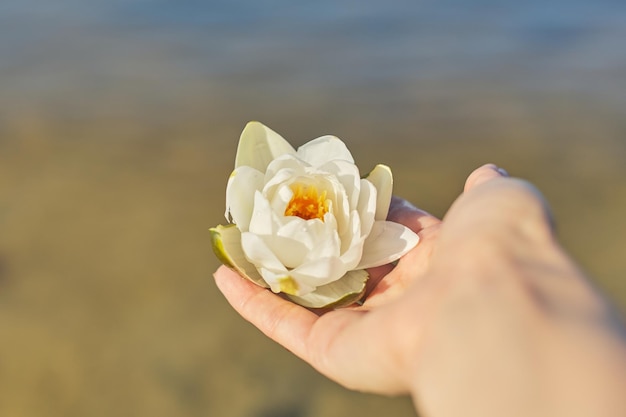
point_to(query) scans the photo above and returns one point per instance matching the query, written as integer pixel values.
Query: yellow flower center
(288, 285)
(307, 203)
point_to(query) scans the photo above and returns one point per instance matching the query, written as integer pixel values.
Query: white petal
(307, 232)
(325, 241)
(258, 253)
(382, 179)
(263, 221)
(279, 198)
(348, 175)
(339, 204)
(227, 246)
(330, 221)
(284, 176)
(319, 271)
(352, 233)
(259, 145)
(352, 256)
(283, 282)
(300, 241)
(324, 149)
(286, 161)
(387, 242)
(367, 206)
(283, 170)
(290, 252)
(342, 292)
(292, 242)
(242, 184)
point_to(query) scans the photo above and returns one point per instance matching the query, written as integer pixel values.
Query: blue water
(52, 50)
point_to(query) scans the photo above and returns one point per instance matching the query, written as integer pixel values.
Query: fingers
(281, 320)
(328, 343)
(492, 199)
(405, 213)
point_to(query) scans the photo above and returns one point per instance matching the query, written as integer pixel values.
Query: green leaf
(226, 242)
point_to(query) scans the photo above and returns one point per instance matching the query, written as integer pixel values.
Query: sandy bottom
(107, 304)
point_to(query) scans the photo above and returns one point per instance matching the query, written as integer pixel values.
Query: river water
(90, 56)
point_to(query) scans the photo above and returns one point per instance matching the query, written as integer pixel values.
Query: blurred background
(119, 121)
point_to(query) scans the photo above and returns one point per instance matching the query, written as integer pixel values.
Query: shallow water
(118, 127)
(69, 52)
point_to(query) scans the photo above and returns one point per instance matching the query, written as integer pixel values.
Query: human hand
(362, 347)
(462, 319)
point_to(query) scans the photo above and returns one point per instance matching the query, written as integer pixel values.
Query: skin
(487, 316)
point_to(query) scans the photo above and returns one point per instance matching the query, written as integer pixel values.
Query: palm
(316, 336)
(346, 344)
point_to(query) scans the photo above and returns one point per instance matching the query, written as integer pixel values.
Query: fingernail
(502, 172)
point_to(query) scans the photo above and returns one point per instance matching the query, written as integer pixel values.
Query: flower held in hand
(303, 222)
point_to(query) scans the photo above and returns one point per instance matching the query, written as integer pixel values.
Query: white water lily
(303, 222)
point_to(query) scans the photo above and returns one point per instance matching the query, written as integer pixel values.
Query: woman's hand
(476, 320)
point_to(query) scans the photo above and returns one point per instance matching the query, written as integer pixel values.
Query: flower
(303, 222)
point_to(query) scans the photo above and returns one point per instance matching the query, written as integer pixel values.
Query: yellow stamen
(288, 285)
(307, 203)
